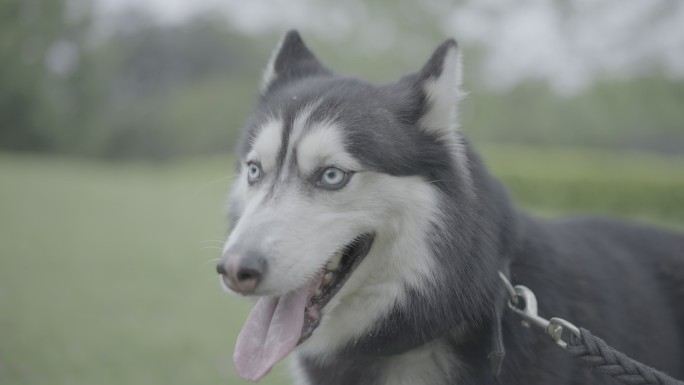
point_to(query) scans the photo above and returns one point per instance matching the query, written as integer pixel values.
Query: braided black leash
(580, 343)
(597, 354)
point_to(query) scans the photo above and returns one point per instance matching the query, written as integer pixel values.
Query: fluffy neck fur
(443, 331)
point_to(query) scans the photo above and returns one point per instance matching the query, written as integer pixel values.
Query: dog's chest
(432, 364)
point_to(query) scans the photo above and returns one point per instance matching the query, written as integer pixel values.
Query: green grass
(644, 187)
(106, 274)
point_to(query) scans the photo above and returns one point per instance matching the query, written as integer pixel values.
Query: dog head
(341, 201)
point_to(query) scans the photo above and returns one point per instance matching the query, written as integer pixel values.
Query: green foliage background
(113, 175)
(156, 91)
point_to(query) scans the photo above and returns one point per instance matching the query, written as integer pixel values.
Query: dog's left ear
(291, 60)
(440, 81)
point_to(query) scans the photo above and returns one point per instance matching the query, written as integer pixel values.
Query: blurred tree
(169, 89)
(35, 40)
(153, 58)
(131, 85)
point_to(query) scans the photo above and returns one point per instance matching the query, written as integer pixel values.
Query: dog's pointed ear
(440, 81)
(290, 60)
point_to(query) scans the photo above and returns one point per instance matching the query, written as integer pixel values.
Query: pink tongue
(270, 333)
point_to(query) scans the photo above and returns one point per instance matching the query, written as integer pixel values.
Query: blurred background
(118, 119)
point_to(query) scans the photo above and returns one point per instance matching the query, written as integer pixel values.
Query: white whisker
(204, 264)
(210, 261)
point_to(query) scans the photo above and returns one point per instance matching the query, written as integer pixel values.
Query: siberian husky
(372, 234)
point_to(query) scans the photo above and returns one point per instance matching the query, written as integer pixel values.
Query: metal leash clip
(523, 302)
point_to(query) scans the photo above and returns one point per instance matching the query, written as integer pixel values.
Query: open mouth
(336, 273)
(278, 324)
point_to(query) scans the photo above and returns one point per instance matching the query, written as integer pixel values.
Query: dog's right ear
(440, 81)
(290, 60)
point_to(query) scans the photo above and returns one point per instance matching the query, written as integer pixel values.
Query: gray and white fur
(426, 306)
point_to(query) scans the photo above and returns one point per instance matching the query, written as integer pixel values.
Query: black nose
(244, 273)
(221, 268)
(251, 267)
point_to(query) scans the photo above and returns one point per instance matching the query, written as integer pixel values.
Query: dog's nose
(221, 268)
(242, 274)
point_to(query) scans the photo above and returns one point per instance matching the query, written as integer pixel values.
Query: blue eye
(254, 172)
(333, 178)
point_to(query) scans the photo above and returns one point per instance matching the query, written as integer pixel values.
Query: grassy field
(106, 271)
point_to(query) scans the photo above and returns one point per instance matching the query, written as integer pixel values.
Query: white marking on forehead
(324, 145)
(298, 128)
(266, 144)
(299, 122)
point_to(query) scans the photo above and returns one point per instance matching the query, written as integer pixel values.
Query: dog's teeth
(334, 262)
(317, 293)
(327, 278)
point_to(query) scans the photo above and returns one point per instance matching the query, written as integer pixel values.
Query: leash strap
(598, 355)
(581, 344)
